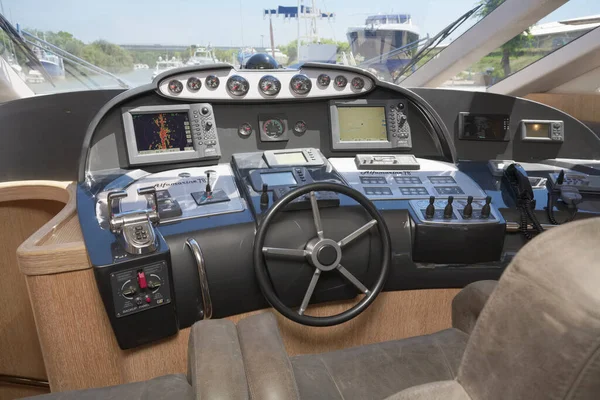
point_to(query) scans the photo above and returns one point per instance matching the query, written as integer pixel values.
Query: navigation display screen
(162, 132)
(537, 130)
(484, 126)
(295, 158)
(362, 124)
(278, 178)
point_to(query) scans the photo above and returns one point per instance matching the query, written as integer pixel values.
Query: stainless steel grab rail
(206, 300)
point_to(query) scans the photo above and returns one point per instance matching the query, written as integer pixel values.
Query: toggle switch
(430, 210)
(141, 278)
(468, 210)
(485, 210)
(448, 209)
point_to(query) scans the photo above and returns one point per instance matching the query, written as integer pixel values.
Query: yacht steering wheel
(322, 253)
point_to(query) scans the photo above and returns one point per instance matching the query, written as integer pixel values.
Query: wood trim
(80, 350)
(584, 107)
(44, 252)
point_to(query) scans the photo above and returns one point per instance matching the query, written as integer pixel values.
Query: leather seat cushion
(168, 387)
(379, 370)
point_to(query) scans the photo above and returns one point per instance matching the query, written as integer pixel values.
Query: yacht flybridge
(309, 233)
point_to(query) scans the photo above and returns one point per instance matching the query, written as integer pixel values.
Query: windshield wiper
(436, 40)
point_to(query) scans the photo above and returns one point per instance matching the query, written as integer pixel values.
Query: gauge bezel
(335, 81)
(211, 77)
(179, 85)
(243, 133)
(279, 120)
(321, 76)
(238, 93)
(357, 79)
(300, 131)
(274, 80)
(304, 78)
(195, 79)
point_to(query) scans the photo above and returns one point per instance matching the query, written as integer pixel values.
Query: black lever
(561, 177)
(208, 189)
(485, 210)
(468, 210)
(448, 209)
(264, 196)
(430, 210)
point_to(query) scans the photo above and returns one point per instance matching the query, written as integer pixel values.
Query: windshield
(116, 44)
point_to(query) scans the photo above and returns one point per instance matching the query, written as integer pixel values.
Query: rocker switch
(141, 277)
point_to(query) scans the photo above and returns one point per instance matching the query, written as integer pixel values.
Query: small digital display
(278, 178)
(484, 126)
(162, 132)
(295, 158)
(362, 124)
(537, 130)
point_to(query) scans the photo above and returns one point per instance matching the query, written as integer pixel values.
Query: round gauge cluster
(340, 81)
(269, 85)
(273, 127)
(358, 83)
(194, 84)
(212, 82)
(175, 86)
(237, 85)
(300, 84)
(324, 80)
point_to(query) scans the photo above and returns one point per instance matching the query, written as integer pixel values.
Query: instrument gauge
(300, 84)
(324, 80)
(269, 85)
(273, 127)
(194, 84)
(245, 129)
(341, 81)
(212, 82)
(300, 127)
(237, 85)
(358, 83)
(175, 86)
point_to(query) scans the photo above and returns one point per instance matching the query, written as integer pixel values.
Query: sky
(231, 22)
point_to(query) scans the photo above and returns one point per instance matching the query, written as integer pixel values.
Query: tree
(512, 48)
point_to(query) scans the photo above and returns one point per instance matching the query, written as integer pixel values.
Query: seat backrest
(538, 336)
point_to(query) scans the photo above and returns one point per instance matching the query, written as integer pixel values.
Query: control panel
(139, 289)
(182, 194)
(433, 178)
(584, 183)
(170, 133)
(294, 157)
(455, 211)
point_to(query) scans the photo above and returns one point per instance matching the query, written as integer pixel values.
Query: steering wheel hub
(324, 254)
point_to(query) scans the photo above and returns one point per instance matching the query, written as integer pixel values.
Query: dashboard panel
(176, 176)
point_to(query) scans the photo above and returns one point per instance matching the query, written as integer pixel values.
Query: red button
(148, 299)
(142, 280)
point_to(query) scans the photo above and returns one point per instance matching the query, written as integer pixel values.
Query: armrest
(268, 367)
(468, 303)
(215, 363)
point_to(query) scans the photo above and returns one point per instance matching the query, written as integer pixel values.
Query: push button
(141, 277)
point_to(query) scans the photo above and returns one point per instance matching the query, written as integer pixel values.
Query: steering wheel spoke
(348, 275)
(357, 233)
(316, 214)
(309, 291)
(295, 254)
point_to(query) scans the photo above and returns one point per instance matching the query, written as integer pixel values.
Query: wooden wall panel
(80, 349)
(19, 346)
(584, 107)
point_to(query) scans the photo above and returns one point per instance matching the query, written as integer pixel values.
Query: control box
(139, 289)
(584, 183)
(386, 161)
